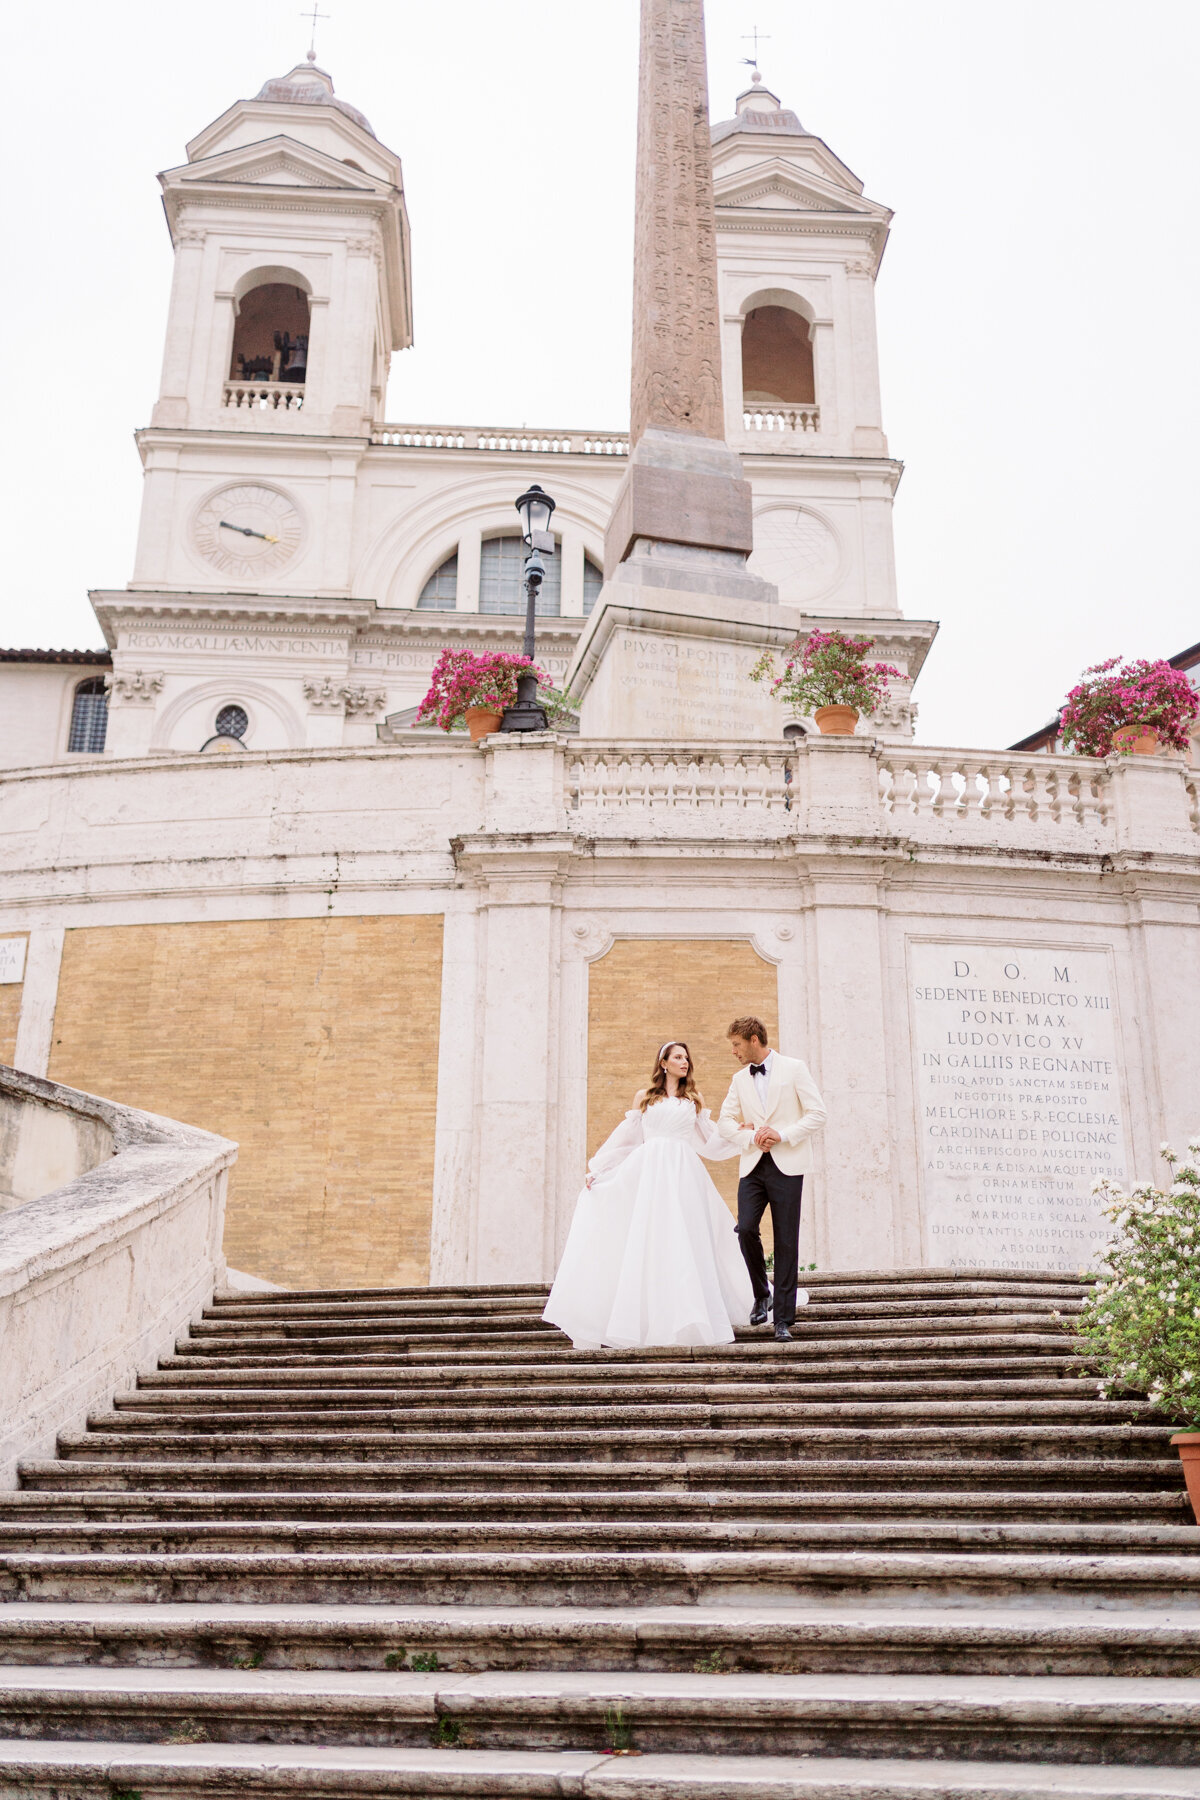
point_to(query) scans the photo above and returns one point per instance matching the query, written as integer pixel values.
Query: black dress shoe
(761, 1310)
(782, 1335)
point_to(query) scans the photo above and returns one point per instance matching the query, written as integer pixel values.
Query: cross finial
(753, 36)
(314, 15)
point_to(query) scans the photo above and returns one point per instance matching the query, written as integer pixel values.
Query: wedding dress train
(652, 1256)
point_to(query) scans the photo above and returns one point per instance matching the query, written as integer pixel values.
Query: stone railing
(503, 437)
(1192, 789)
(685, 782)
(110, 1245)
(782, 420)
(265, 396)
(859, 788)
(968, 788)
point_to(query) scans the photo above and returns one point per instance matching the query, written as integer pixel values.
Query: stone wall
(100, 1276)
(312, 1042)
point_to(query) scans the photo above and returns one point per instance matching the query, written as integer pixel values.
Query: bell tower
(292, 284)
(292, 288)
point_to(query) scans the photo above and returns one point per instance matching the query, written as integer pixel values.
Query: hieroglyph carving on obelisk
(676, 343)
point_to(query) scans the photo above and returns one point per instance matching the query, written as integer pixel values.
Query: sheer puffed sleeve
(709, 1141)
(616, 1148)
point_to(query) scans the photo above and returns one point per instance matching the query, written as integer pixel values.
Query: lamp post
(535, 508)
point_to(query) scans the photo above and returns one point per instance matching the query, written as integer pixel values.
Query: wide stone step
(830, 1474)
(796, 1441)
(692, 1415)
(625, 1578)
(791, 1639)
(1122, 1719)
(810, 1323)
(467, 1531)
(553, 1353)
(76, 1502)
(416, 1317)
(552, 1383)
(97, 1771)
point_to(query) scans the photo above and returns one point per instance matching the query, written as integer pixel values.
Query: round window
(232, 721)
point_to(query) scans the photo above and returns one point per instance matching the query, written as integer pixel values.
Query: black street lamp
(535, 508)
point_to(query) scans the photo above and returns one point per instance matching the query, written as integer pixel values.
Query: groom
(771, 1112)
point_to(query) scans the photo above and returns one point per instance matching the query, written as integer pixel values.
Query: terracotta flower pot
(1188, 1445)
(1142, 740)
(482, 721)
(836, 721)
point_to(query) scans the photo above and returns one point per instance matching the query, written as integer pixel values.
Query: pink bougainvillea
(828, 668)
(1113, 694)
(460, 680)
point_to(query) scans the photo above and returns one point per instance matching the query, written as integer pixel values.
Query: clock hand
(247, 532)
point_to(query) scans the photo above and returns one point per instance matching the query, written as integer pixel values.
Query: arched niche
(188, 722)
(270, 333)
(777, 350)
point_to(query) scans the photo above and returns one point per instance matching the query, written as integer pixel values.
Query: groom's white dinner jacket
(794, 1108)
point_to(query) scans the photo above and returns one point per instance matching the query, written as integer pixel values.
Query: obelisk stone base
(684, 490)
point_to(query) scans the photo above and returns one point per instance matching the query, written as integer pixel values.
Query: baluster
(938, 804)
(1054, 788)
(708, 778)
(656, 794)
(756, 787)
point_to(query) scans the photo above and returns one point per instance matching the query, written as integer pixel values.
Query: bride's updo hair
(656, 1087)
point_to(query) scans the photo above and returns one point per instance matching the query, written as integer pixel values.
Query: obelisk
(680, 621)
(684, 486)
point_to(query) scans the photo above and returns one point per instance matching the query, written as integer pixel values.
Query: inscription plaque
(686, 687)
(12, 959)
(1019, 1103)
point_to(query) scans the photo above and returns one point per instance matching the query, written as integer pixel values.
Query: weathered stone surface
(676, 339)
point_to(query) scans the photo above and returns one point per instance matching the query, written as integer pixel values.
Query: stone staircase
(408, 1542)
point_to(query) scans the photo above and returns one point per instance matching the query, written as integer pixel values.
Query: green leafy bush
(1141, 1322)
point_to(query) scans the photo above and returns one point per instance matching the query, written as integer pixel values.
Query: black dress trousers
(766, 1185)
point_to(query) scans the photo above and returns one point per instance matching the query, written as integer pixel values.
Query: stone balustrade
(972, 789)
(503, 437)
(684, 782)
(109, 1246)
(782, 420)
(265, 396)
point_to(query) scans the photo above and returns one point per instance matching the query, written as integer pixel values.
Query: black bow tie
(758, 1068)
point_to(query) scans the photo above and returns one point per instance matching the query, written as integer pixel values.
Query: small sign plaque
(12, 959)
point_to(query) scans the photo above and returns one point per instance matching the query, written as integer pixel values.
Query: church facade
(416, 979)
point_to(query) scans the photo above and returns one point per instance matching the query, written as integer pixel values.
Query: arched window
(270, 337)
(89, 716)
(593, 581)
(440, 593)
(501, 587)
(777, 358)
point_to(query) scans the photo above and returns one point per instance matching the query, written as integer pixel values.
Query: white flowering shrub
(1141, 1322)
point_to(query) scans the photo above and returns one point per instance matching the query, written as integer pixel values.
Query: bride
(652, 1256)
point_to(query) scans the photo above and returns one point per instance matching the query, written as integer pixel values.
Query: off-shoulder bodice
(671, 1119)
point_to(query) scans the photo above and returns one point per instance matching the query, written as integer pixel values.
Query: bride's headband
(669, 1045)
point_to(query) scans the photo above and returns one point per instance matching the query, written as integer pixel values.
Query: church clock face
(247, 531)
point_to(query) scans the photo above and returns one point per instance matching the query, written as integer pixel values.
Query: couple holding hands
(650, 1258)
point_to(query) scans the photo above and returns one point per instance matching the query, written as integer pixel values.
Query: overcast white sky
(1037, 302)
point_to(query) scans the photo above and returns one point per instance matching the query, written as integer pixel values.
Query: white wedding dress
(652, 1256)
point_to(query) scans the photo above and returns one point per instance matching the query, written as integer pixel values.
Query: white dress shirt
(762, 1082)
